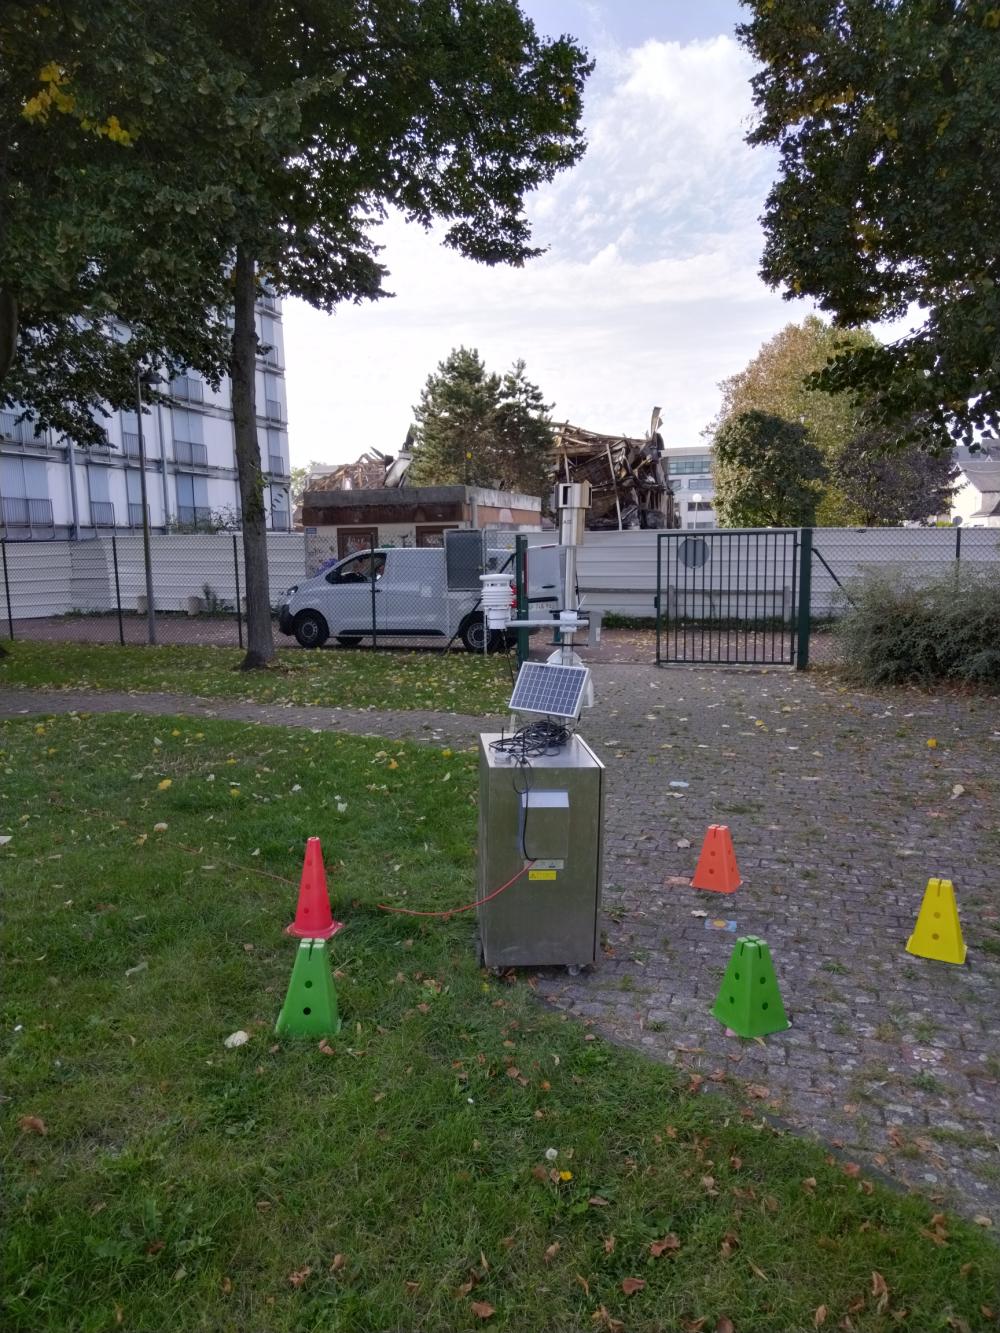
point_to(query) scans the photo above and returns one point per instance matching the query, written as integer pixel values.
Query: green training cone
(749, 1001)
(310, 1008)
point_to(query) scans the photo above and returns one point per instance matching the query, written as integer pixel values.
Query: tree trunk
(260, 637)
(8, 332)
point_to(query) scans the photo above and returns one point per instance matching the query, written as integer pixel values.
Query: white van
(426, 592)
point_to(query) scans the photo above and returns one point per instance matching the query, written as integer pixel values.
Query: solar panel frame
(549, 690)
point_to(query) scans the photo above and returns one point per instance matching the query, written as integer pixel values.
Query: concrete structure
(689, 472)
(342, 521)
(977, 500)
(51, 488)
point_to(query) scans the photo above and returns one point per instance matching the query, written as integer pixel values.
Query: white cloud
(648, 292)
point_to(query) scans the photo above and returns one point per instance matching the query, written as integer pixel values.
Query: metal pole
(146, 552)
(659, 591)
(118, 591)
(371, 546)
(6, 586)
(236, 569)
(958, 543)
(805, 598)
(521, 593)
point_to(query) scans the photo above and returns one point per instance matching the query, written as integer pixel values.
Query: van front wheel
(472, 632)
(311, 629)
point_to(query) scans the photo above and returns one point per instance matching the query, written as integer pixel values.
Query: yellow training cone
(938, 933)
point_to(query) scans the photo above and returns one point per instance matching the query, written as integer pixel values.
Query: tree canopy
(888, 484)
(766, 472)
(884, 115)
(311, 121)
(109, 215)
(478, 429)
(778, 381)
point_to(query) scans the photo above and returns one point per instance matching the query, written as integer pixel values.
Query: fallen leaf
(155, 1246)
(337, 1263)
(236, 1039)
(708, 1184)
(981, 1220)
(809, 1184)
(32, 1124)
(669, 1244)
(596, 1201)
(631, 1285)
(730, 1242)
(583, 1283)
(299, 1276)
(758, 1091)
(609, 1244)
(759, 1271)
(482, 1309)
(881, 1292)
(227, 1286)
(819, 1316)
(162, 786)
(412, 1287)
(552, 1251)
(851, 1169)
(725, 1325)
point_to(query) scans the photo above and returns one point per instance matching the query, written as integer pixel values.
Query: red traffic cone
(717, 869)
(313, 919)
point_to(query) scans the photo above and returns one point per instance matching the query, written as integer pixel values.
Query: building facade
(689, 472)
(51, 488)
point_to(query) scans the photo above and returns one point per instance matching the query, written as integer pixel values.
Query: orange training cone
(717, 869)
(313, 919)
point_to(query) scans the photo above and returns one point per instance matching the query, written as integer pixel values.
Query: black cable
(532, 741)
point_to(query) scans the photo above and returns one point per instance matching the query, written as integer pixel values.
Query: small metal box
(552, 814)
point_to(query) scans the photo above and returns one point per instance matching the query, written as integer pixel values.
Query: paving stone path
(840, 812)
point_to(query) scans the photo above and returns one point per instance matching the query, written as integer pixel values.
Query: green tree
(890, 483)
(476, 429)
(313, 121)
(777, 381)
(107, 216)
(767, 472)
(434, 109)
(525, 437)
(885, 118)
(456, 438)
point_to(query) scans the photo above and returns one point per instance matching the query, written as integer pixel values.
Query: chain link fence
(842, 557)
(98, 591)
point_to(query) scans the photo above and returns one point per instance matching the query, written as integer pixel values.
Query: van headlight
(293, 588)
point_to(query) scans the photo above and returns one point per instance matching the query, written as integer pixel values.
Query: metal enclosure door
(551, 918)
(727, 596)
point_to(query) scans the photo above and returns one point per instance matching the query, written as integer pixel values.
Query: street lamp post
(146, 553)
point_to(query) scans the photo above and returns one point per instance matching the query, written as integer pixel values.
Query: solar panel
(554, 691)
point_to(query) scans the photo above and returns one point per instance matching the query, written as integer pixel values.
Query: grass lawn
(398, 1179)
(455, 682)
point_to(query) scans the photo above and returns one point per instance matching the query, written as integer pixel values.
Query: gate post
(805, 598)
(659, 589)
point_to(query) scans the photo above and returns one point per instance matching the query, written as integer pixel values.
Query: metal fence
(98, 591)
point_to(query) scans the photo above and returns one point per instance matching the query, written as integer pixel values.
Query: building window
(25, 491)
(192, 501)
(433, 534)
(697, 464)
(189, 387)
(699, 506)
(350, 540)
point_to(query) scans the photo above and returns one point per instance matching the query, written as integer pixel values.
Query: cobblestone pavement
(840, 811)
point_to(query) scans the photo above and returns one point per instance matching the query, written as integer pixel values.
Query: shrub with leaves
(901, 629)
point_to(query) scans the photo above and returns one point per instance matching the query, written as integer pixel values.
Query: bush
(898, 630)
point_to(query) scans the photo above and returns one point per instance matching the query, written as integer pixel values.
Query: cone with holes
(938, 932)
(310, 1008)
(313, 918)
(717, 869)
(749, 1001)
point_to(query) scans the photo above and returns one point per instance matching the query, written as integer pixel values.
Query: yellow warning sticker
(542, 874)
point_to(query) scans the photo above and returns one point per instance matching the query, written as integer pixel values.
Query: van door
(351, 606)
(412, 600)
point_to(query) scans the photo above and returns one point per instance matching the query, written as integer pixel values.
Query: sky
(648, 292)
